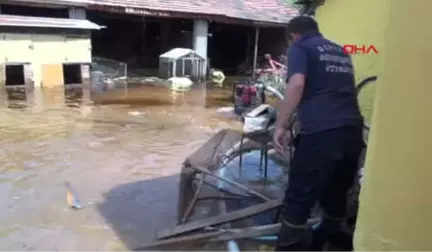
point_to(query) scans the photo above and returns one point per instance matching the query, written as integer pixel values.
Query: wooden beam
(196, 238)
(193, 201)
(248, 232)
(220, 219)
(217, 235)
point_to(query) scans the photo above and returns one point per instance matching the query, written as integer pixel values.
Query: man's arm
(297, 69)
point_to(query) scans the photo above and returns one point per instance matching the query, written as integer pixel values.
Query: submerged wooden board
(220, 219)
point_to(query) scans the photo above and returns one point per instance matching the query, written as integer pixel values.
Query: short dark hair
(302, 25)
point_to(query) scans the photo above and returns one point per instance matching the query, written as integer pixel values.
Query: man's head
(299, 26)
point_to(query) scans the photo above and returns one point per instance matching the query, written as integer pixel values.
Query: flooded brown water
(122, 151)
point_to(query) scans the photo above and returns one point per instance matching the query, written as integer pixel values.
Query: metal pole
(183, 67)
(255, 58)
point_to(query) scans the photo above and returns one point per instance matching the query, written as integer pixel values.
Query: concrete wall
(395, 202)
(41, 50)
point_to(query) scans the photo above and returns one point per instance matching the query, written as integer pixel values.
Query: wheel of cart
(365, 93)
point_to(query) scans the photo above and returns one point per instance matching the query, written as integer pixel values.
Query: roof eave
(38, 22)
(175, 14)
(47, 3)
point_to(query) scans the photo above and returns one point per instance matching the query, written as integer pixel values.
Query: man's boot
(294, 238)
(323, 230)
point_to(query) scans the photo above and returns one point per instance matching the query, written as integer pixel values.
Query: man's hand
(281, 138)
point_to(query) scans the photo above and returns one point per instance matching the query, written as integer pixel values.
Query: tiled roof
(272, 11)
(25, 21)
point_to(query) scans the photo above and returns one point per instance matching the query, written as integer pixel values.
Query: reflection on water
(122, 150)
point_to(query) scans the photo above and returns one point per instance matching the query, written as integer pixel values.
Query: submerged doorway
(15, 75)
(72, 74)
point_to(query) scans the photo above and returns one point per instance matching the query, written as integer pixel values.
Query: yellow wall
(39, 50)
(395, 203)
(354, 22)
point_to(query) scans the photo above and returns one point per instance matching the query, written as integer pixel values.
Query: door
(52, 75)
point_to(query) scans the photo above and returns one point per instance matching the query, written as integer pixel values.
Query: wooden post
(143, 57)
(255, 58)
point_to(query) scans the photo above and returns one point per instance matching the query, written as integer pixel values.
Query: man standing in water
(321, 88)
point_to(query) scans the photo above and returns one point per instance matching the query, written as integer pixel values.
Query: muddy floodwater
(121, 150)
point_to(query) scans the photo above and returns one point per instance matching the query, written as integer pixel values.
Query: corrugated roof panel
(27, 21)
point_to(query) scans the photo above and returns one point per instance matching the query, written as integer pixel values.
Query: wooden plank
(219, 235)
(252, 232)
(193, 201)
(220, 219)
(249, 232)
(196, 238)
(216, 235)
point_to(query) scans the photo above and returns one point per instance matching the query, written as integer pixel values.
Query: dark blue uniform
(329, 99)
(328, 147)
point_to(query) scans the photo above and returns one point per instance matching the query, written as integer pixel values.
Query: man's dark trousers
(323, 169)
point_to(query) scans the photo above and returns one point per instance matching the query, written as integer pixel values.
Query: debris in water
(180, 83)
(225, 109)
(71, 197)
(135, 113)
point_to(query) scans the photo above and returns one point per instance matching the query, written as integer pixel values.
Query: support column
(165, 33)
(395, 202)
(255, 56)
(143, 57)
(77, 13)
(200, 39)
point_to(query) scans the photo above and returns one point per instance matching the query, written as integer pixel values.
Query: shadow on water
(136, 211)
